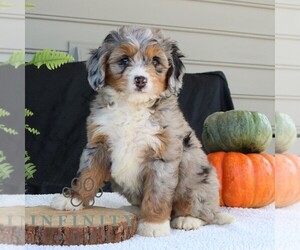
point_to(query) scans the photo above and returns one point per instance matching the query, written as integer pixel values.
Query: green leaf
(27, 157)
(5, 170)
(51, 58)
(11, 131)
(8, 130)
(30, 168)
(28, 113)
(3, 112)
(2, 157)
(32, 130)
(17, 58)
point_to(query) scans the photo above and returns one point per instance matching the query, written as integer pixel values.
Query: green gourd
(286, 132)
(236, 131)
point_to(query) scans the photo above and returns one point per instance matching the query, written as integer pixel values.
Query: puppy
(139, 140)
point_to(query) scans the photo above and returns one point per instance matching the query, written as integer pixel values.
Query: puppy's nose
(140, 81)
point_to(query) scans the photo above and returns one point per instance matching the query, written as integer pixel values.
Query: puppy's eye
(124, 61)
(155, 60)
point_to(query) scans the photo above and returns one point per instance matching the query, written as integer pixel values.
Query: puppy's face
(138, 71)
(137, 62)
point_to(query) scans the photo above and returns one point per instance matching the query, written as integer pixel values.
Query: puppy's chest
(129, 125)
(131, 132)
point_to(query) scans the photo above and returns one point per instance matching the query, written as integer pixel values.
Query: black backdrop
(60, 101)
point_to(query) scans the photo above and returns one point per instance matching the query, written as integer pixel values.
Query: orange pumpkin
(246, 180)
(287, 179)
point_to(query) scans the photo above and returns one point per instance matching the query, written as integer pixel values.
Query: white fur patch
(154, 229)
(130, 133)
(224, 218)
(187, 223)
(60, 202)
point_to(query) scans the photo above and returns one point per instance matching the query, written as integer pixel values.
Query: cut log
(94, 225)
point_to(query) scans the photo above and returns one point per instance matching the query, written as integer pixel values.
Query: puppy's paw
(153, 229)
(187, 223)
(60, 202)
(223, 218)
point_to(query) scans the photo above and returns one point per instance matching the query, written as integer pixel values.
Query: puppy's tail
(222, 218)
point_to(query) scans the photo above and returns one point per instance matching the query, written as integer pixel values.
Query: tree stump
(12, 225)
(46, 226)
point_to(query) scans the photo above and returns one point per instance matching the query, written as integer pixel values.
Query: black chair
(60, 101)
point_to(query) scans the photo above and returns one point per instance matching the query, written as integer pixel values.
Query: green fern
(2, 156)
(5, 168)
(11, 131)
(28, 113)
(30, 168)
(8, 130)
(17, 58)
(32, 130)
(3, 112)
(51, 58)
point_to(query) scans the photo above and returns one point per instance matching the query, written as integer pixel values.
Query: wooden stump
(46, 226)
(12, 225)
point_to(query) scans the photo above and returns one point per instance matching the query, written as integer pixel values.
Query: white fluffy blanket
(263, 228)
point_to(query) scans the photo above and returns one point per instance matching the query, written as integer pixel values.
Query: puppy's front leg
(94, 170)
(159, 186)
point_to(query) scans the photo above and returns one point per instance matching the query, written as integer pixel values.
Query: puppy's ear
(96, 65)
(176, 70)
